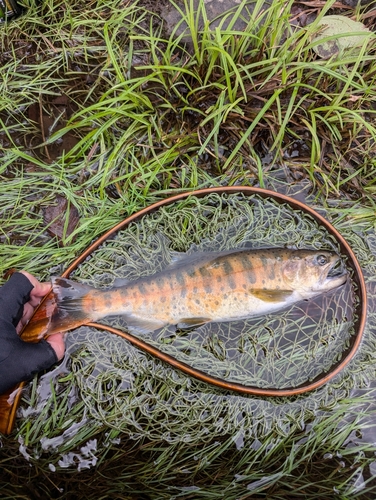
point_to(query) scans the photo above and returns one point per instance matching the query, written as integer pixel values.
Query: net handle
(10, 401)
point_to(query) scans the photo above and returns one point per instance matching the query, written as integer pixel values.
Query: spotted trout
(199, 288)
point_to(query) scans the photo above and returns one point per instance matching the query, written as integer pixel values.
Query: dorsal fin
(183, 259)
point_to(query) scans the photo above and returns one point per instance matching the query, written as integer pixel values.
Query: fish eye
(321, 260)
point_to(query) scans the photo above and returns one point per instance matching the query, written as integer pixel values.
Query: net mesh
(278, 350)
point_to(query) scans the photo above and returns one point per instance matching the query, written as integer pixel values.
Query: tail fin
(70, 312)
(40, 321)
(63, 309)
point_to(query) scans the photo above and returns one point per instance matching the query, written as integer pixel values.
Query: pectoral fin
(272, 295)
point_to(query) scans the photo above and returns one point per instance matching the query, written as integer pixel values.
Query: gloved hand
(21, 360)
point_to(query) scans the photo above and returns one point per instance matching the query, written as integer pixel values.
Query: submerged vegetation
(104, 110)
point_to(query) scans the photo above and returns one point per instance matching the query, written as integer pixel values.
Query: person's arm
(21, 360)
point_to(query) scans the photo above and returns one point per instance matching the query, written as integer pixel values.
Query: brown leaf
(61, 218)
(8, 273)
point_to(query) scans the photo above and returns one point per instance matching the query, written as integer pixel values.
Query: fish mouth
(337, 274)
(337, 269)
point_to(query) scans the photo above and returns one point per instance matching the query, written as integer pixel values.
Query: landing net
(280, 350)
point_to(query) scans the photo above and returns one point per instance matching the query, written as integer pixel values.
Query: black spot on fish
(227, 267)
(198, 301)
(204, 272)
(141, 288)
(248, 265)
(163, 299)
(231, 281)
(180, 279)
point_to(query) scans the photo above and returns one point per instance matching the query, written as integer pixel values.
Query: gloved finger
(13, 295)
(23, 360)
(36, 296)
(57, 342)
(28, 311)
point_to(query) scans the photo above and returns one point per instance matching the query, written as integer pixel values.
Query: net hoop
(358, 278)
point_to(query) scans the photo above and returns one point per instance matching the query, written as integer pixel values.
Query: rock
(217, 11)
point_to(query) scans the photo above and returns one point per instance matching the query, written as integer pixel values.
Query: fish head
(312, 272)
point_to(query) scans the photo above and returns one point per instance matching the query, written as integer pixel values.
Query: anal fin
(137, 324)
(185, 323)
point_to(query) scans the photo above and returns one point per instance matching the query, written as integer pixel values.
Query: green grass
(130, 115)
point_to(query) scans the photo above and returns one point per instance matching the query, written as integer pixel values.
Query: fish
(200, 288)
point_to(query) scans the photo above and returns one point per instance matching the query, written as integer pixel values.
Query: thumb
(40, 289)
(57, 342)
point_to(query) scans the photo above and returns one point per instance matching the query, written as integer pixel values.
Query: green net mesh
(278, 350)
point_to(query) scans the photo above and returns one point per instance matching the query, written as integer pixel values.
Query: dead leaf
(354, 98)
(343, 33)
(61, 218)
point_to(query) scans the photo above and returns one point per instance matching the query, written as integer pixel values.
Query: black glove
(19, 360)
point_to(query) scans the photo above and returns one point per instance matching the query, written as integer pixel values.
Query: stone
(218, 13)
